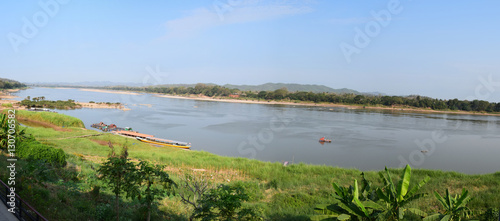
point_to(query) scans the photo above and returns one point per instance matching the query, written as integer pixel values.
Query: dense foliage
(10, 84)
(34, 150)
(414, 101)
(9, 128)
(389, 202)
(144, 181)
(455, 206)
(224, 203)
(40, 102)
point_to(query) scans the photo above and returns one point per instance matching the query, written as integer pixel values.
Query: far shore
(5, 98)
(108, 91)
(396, 108)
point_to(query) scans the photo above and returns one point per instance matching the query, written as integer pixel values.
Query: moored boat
(165, 142)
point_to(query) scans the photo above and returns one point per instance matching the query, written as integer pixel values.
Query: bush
(104, 212)
(34, 150)
(252, 189)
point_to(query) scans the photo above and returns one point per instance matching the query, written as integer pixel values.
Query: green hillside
(10, 84)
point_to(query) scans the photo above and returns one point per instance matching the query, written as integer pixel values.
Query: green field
(56, 119)
(278, 192)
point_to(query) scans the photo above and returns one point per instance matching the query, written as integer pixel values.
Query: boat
(323, 140)
(165, 142)
(132, 134)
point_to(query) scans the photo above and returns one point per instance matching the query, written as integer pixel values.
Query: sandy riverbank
(109, 91)
(395, 109)
(6, 99)
(102, 106)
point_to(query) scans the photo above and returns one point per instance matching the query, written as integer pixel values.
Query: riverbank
(102, 106)
(300, 103)
(279, 192)
(6, 100)
(107, 91)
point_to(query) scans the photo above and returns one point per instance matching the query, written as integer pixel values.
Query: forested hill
(292, 87)
(10, 84)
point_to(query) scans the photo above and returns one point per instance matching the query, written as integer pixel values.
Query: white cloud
(232, 12)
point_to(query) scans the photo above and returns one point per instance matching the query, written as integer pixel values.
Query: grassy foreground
(278, 192)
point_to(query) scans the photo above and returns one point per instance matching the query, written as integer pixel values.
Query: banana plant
(6, 126)
(350, 204)
(455, 207)
(397, 196)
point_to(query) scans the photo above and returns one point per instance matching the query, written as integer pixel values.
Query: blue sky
(443, 49)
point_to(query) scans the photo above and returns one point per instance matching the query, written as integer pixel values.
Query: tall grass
(7, 105)
(52, 118)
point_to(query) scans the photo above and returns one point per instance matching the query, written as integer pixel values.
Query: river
(362, 139)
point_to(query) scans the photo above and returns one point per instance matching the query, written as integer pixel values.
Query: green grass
(281, 193)
(7, 105)
(50, 117)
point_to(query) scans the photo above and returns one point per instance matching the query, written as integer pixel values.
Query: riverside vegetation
(40, 102)
(412, 101)
(233, 188)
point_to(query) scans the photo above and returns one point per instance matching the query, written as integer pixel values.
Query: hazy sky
(443, 49)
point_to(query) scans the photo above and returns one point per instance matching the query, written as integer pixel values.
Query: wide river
(362, 139)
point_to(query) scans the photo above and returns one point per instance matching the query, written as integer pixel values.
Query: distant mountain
(85, 84)
(263, 87)
(292, 87)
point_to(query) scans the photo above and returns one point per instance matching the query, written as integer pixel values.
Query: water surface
(363, 139)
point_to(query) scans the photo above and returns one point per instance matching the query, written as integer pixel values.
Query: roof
(134, 134)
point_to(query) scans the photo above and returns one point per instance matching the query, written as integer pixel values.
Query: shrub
(34, 150)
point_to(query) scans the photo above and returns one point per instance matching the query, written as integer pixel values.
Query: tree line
(40, 102)
(283, 94)
(10, 84)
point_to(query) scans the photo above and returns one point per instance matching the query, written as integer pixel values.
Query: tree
(262, 94)
(118, 172)
(396, 197)
(455, 207)
(195, 187)
(359, 99)
(224, 203)
(280, 93)
(155, 181)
